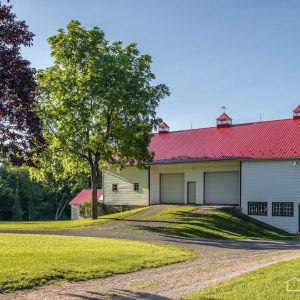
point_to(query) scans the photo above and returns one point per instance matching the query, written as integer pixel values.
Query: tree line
(24, 199)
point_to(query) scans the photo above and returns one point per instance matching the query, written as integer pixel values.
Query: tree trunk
(60, 212)
(94, 182)
(61, 207)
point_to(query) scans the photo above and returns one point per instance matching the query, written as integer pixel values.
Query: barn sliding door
(222, 188)
(172, 188)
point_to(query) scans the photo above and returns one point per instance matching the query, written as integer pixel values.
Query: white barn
(255, 166)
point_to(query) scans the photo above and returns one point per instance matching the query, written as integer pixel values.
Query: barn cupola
(296, 112)
(163, 128)
(224, 121)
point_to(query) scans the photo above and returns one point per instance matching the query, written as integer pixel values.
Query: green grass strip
(30, 260)
(68, 224)
(268, 283)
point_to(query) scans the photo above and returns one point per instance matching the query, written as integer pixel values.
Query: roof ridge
(233, 125)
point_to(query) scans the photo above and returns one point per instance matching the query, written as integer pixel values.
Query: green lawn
(30, 260)
(181, 220)
(215, 223)
(54, 225)
(265, 284)
(173, 212)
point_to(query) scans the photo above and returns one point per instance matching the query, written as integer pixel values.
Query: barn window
(258, 208)
(284, 209)
(136, 187)
(114, 187)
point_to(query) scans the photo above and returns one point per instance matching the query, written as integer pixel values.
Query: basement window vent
(283, 209)
(257, 208)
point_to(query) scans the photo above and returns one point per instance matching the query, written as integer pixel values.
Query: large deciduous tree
(19, 124)
(97, 102)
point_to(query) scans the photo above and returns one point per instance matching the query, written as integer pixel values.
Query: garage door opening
(172, 188)
(222, 188)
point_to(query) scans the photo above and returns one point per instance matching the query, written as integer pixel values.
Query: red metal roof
(260, 140)
(85, 196)
(223, 117)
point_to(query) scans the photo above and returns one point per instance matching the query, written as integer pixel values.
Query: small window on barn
(136, 187)
(114, 187)
(283, 209)
(257, 208)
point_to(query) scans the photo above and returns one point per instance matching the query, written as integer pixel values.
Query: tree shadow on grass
(278, 245)
(216, 224)
(118, 294)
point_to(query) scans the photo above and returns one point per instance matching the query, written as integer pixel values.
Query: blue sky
(241, 54)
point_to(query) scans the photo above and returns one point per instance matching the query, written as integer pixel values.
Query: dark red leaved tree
(20, 129)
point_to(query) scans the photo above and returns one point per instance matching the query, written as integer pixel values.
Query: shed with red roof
(82, 197)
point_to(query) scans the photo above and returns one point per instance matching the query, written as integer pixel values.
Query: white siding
(75, 212)
(192, 172)
(272, 181)
(125, 180)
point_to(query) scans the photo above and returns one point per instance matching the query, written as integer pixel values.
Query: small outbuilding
(83, 197)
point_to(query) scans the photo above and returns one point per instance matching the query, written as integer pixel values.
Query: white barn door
(172, 188)
(222, 188)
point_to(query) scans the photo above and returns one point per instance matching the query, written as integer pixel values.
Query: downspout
(159, 188)
(240, 184)
(149, 189)
(103, 191)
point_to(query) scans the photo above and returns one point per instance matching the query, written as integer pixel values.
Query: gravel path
(218, 260)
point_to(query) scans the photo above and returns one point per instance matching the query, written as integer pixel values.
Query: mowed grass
(173, 212)
(195, 222)
(182, 220)
(265, 284)
(30, 260)
(68, 224)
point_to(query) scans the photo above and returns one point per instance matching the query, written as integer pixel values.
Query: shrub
(85, 209)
